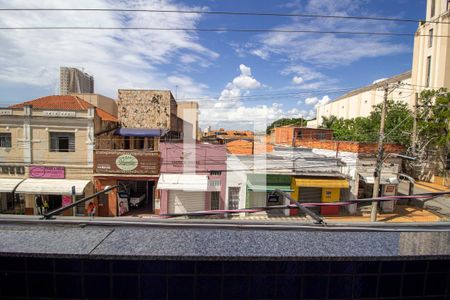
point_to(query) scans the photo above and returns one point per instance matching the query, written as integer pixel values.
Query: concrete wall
(188, 111)
(107, 104)
(147, 109)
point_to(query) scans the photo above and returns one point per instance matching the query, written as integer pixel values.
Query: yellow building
(47, 149)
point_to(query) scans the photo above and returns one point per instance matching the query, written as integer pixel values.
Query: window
(215, 196)
(427, 83)
(430, 38)
(233, 197)
(433, 8)
(5, 140)
(215, 183)
(217, 173)
(62, 142)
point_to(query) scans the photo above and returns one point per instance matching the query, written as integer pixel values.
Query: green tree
(286, 121)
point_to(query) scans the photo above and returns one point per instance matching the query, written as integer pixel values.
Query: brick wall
(243, 147)
(344, 146)
(146, 109)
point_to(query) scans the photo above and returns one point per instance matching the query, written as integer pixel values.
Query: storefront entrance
(135, 197)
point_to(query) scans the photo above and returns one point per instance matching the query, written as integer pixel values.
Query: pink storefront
(193, 177)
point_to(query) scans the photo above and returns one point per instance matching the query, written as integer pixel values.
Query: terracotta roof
(65, 102)
(105, 116)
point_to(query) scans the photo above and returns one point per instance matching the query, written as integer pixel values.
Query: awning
(183, 182)
(140, 132)
(269, 188)
(322, 183)
(52, 186)
(386, 178)
(8, 185)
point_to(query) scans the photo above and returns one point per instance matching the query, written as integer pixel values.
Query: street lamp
(376, 182)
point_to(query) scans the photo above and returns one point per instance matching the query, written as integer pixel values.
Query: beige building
(107, 104)
(73, 80)
(47, 148)
(430, 69)
(431, 60)
(189, 112)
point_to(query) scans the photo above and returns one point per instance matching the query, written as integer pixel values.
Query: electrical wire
(238, 30)
(232, 13)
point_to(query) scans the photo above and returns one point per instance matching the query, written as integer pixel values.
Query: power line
(232, 13)
(241, 30)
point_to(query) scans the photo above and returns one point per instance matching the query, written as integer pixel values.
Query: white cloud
(311, 101)
(263, 54)
(117, 59)
(245, 81)
(297, 80)
(323, 101)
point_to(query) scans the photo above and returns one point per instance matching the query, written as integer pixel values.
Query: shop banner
(122, 203)
(47, 172)
(66, 201)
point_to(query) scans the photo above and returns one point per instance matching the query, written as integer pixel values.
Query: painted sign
(56, 113)
(131, 162)
(47, 172)
(127, 162)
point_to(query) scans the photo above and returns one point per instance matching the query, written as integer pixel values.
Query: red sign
(66, 201)
(47, 172)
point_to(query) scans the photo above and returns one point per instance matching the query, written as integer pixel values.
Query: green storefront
(260, 187)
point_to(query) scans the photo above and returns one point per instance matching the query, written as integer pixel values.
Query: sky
(241, 80)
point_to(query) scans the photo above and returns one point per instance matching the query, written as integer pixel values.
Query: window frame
(428, 75)
(430, 37)
(5, 140)
(56, 136)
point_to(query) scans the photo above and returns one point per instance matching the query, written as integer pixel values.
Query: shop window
(215, 196)
(5, 140)
(215, 173)
(62, 142)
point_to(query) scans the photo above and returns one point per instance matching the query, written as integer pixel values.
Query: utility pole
(377, 173)
(414, 135)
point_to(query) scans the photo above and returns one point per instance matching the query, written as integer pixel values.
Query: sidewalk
(431, 187)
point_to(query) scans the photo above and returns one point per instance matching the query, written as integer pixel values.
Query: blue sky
(291, 72)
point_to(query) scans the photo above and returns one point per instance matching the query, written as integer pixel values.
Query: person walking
(45, 205)
(91, 210)
(39, 204)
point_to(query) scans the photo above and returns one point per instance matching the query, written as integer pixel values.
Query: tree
(286, 121)
(365, 129)
(433, 131)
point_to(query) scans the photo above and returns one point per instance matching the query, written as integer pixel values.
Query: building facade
(189, 112)
(431, 58)
(430, 70)
(360, 102)
(73, 80)
(193, 177)
(48, 150)
(105, 103)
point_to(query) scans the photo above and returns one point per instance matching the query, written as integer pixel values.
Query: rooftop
(65, 102)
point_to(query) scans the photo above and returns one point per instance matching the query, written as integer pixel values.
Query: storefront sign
(66, 201)
(127, 162)
(47, 172)
(133, 162)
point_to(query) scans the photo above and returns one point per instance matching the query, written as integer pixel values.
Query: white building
(430, 69)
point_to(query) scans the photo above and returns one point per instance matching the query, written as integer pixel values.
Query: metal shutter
(182, 202)
(309, 194)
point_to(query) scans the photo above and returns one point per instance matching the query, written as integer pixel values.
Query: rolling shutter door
(308, 194)
(182, 202)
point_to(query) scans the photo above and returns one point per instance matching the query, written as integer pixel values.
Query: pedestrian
(45, 205)
(91, 210)
(39, 204)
